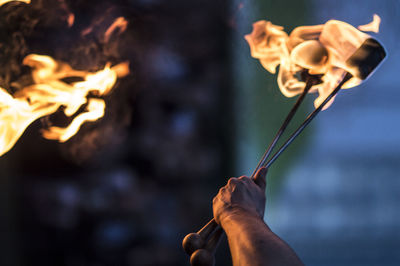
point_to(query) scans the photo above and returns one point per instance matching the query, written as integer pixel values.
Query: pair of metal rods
(212, 229)
(263, 162)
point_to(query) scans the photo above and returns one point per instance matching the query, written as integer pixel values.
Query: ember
(321, 49)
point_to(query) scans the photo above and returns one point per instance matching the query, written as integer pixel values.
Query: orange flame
(321, 49)
(119, 24)
(49, 92)
(71, 20)
(2, 2)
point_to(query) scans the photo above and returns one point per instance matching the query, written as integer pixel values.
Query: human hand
(241, 196)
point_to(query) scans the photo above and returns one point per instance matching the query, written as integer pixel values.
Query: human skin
(239, 209)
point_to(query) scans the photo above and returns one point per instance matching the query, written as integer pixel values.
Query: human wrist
(237, 214)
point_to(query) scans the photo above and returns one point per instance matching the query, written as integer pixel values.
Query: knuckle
(245, 178)
(248, 179)
(233, 180)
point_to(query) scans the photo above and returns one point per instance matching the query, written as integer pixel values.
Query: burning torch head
(366, 59)
(328, 50)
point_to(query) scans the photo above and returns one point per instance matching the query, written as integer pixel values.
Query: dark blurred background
(195, 110)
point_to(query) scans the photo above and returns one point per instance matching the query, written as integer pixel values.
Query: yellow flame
(321, 49)
(15, 116)
(373, 26)
(50, 92)
(2, 2)
(94, 111)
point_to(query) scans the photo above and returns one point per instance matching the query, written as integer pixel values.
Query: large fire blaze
(320, 49)
(51, 92)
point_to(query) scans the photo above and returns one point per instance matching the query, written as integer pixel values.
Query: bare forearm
(238, 208)
(253, 243)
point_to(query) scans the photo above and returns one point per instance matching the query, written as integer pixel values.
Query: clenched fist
(241, 196)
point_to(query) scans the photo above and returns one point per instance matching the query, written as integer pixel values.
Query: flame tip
(373, 26)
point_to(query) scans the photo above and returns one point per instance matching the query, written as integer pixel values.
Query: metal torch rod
(310, 82)
(307, 121)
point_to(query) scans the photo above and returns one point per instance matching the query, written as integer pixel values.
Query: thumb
(260, 177)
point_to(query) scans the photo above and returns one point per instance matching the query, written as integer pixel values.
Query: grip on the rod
(209, 236)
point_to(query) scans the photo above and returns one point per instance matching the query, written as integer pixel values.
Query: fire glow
(50, 93)
(320, 49)
(2, 2)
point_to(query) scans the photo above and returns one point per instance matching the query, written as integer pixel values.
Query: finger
(215, 199)
(260, 177)
(244, 178)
